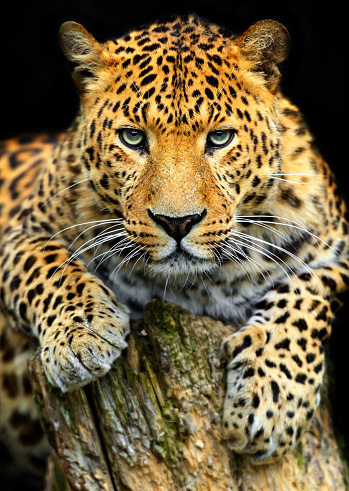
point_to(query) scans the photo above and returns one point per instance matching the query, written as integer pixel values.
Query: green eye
(132, 138)
(219, 138)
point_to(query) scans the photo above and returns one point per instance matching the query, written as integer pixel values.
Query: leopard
(188, 177)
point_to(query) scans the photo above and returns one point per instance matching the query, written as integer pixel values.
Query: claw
(73, 358)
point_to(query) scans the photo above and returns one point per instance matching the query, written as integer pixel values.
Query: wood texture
(153, 423)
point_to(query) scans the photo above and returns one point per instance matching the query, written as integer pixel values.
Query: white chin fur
(180, 266)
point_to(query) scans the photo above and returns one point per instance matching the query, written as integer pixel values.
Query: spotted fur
(253, 232)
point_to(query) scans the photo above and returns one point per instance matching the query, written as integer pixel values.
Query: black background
(37, 93)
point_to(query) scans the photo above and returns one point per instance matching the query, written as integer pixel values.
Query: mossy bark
(154, 422)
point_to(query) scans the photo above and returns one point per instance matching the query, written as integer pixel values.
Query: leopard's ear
(86, 55)
(266, 44)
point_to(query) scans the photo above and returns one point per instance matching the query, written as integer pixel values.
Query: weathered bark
(153, 423)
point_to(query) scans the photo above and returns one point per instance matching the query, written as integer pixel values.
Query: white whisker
(294, 182)
(96, 222)
(124, 261)
(165, 287)
(264, 252)
(267, 253)
(98, 236)
(95, 242)
(118, 248)
(129, 88)
(140, 257)
(255, 264)
(250, 219)
(63, 190)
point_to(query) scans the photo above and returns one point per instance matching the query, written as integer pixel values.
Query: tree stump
(154, 422)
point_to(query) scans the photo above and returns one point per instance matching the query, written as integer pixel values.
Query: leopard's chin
(180, 264)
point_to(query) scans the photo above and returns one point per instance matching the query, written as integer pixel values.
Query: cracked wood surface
(154, 422)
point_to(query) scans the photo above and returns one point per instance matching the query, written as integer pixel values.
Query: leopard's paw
(82, 347)
(272, 393)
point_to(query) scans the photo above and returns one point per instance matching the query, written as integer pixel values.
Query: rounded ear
(266, 44)
(84, 53)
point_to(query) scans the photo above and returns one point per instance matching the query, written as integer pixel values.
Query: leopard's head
(180, 131)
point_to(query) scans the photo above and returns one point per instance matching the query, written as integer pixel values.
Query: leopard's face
(180, 137)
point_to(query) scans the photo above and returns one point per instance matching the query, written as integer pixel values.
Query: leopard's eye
(220, 138)
(132, 138)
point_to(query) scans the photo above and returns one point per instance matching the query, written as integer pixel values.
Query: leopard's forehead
(182, 68)
(183, 37)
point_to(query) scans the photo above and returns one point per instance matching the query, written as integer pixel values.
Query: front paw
(272, 393)
(82, 347)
